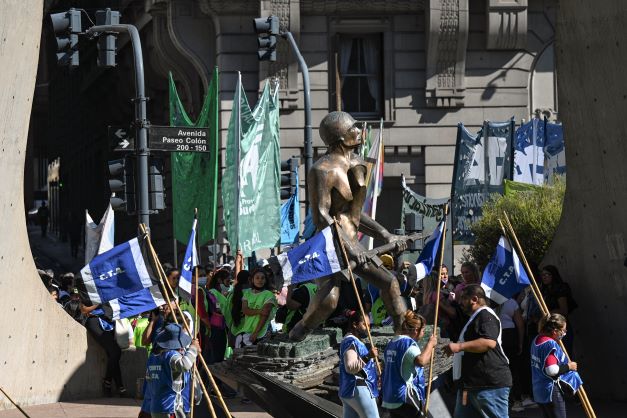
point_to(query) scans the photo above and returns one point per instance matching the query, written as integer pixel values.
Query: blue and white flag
(189, 262)
(313, 259)
(122, 270)
(290, 217)
(504, 276)
(130, 305)
(428, 256)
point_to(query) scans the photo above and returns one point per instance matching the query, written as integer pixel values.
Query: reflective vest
(164, 397)
(257, 300)
(348, 381)
(378, 311)
(544, 384)
(395, 387)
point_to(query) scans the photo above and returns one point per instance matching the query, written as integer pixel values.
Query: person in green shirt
(258, 306)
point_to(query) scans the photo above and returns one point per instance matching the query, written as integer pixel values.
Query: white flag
(99, 238)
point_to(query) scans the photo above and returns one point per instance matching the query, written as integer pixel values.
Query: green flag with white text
(251, 180)
(195, 174)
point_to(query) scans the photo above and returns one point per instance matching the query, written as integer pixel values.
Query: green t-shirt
(138, 331)
(258, 301)
(228, 317)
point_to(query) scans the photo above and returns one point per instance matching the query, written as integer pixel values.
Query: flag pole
(350, 272)
(196, 325)
(583, 396)
(14, 403)
(168, 288)
(437, 308)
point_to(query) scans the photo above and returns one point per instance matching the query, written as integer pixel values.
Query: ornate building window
(361, 67)
(360, 74)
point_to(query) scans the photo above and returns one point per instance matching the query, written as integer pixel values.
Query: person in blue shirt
(403, 377)
(168, 373)
(551, 372)
(358, 375)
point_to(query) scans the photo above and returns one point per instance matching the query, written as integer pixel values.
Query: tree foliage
(534, 214)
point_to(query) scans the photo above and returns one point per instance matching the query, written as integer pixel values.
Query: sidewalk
(115, 408)
(51, 253)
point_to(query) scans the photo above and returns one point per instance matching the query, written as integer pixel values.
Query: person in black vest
(480, 366)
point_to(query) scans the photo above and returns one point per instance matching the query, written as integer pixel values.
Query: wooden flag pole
(583, 396)
(167, 286)
(350, 272)
(14, 403)
(437, 309)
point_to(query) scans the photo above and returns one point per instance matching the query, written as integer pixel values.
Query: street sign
(119, 137)
(178, 138)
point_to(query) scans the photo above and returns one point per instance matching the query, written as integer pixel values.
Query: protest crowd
(511, 359)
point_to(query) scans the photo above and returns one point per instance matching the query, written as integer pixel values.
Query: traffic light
(67, 26)
(268, 29)
(106, 41)
(122, 183)
(289, 177)
(155, 184)
(414, 223)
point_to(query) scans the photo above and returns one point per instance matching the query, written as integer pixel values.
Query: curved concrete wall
(44, 354)
(589, 246)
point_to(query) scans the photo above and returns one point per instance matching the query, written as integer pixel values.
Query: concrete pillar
(44, 354)
(589, 246)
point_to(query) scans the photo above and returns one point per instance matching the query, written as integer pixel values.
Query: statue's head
(340, 126)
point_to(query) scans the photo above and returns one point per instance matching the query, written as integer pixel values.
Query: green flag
(194, 174)
(251, 180)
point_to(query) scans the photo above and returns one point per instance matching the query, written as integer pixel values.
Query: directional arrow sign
(178, 138)
(121, 133)
(119, 138)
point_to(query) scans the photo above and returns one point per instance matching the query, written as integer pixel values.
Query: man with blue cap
(168, 373)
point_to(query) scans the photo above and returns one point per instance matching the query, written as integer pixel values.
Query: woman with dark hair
(216, 302)
(558, 298)
(358, 375)
(470, 275)
(258, 306)
(551, 371)
(233, 316)
(403, 377)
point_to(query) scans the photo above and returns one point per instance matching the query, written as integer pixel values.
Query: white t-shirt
(506, 314)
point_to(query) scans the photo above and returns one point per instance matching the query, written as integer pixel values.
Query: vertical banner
(539, 152)
(482, 162)
(251, 181)
(375, 160)
(195, 175)
(529, 153)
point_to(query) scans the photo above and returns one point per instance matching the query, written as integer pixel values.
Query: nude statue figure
(337, 189)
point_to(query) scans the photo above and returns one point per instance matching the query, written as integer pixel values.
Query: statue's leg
(390, 291)
(319, 309)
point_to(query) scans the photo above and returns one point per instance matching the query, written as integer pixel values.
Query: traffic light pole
(141, 119)
(307, 92)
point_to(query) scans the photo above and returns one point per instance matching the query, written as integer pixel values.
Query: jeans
(555, 409)
(362, 405)
(483, 403)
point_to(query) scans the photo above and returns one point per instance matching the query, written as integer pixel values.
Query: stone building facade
(422, 66)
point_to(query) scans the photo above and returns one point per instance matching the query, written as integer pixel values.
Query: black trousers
(106, 339)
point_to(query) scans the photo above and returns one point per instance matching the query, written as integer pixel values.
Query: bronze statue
(337, 189)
